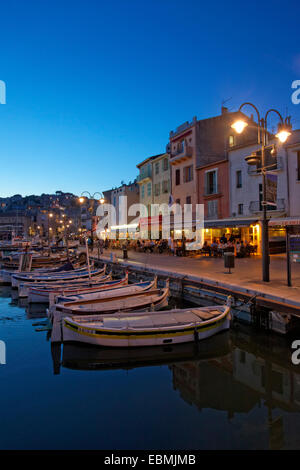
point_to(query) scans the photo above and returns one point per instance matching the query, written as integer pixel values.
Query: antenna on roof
(225, 101)
(225, 109)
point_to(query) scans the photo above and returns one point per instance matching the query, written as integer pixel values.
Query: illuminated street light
(101, 200)
(284, 131)
(239, 126)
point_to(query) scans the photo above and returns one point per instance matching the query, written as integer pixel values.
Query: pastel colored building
(213, 185)
(199, 143)
(155, 186)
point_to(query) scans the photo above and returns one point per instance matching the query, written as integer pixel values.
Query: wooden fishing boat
(127, 298)
(7, 274)
(47, 294)
(37, 262)
(54, 277)
(23, 287)
(91, 297)
(149, 300)
(140, 329)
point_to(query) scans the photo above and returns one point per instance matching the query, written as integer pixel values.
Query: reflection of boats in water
(81, 356)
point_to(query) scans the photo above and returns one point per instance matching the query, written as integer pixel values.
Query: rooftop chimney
(224, 110)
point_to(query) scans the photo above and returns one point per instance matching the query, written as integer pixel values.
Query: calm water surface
(235, 391)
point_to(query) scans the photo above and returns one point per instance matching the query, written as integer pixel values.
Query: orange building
(213, 189)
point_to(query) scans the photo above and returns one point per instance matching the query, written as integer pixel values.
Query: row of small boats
(89, 306)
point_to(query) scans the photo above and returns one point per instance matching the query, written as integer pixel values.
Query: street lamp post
(284, 130)
(101, 200)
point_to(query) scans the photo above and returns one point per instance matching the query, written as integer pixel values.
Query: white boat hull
(125, 340)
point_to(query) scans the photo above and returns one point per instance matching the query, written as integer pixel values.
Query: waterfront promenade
(246, 274)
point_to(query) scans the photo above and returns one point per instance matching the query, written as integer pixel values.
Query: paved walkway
(246, 274)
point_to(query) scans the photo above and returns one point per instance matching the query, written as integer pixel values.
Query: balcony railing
(256, 206)
(183, 151)
(212, 190)
(183, 127)
(144, 175)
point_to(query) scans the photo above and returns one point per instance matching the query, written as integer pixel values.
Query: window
(188, 201)
(165, 186)
(231, 140)
(180, 147)
(143, 191)
(212, 209)
(298, 166)
(187, 174)
(156, 168)
(177, 177)
(240, 209)
(165, 164)
(157, 189)
(149, 189)
(211, 182)
(239, 179)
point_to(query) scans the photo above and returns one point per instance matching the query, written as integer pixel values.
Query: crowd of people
(175, 247)
(171, 246)
(219, 246)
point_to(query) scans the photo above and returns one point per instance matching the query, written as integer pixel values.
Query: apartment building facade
(246, 191)
(155, 186)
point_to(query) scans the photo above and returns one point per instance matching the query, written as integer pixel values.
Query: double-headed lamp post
(284, 131)
(93, 197)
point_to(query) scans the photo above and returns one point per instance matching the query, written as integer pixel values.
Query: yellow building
(154, 181)
(155, 185)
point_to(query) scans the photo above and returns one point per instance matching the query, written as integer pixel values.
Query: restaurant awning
(234, 222)
(284, 221)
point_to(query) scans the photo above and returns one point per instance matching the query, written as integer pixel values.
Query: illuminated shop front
(278, 229)
(246, 230)
(123, 232)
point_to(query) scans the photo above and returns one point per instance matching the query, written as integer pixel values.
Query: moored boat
(16, 279)
(140, 329)
(149, 300)
(47, 293)
(127, 298)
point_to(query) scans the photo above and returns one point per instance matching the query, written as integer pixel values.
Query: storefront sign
(271, 187)
(295, 248)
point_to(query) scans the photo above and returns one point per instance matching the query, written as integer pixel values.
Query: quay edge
(262, 309)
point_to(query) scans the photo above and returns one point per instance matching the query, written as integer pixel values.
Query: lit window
(231, 140)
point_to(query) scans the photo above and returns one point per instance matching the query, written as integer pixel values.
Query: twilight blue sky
(94, 87)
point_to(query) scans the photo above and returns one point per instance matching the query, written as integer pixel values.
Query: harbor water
(237, 390)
